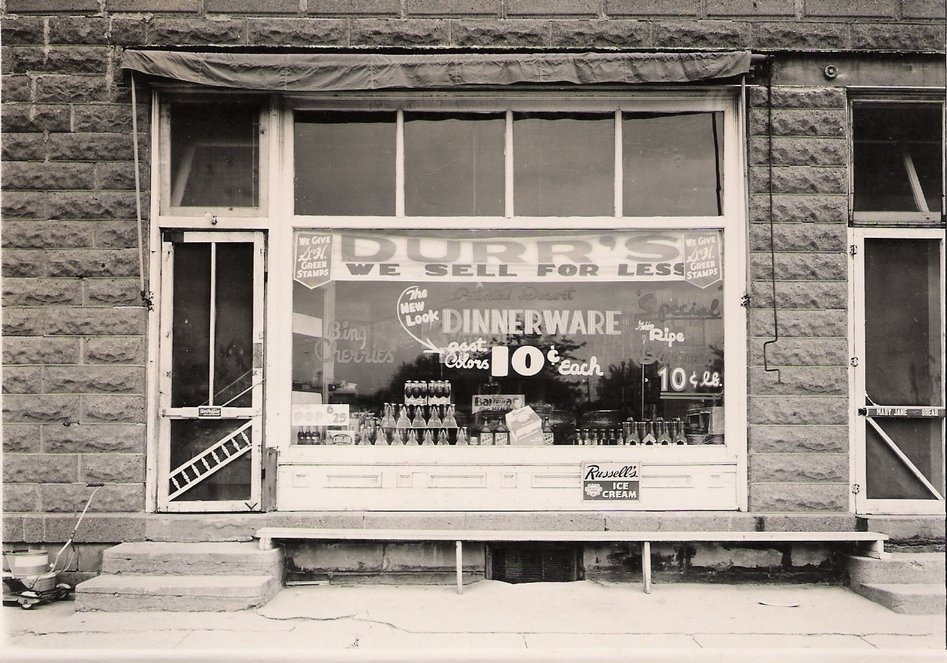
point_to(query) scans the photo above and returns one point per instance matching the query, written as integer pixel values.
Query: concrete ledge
(898, 568)
(905, 598)
(185, 593)
(170, 558)
(910, 530)
(118, 527)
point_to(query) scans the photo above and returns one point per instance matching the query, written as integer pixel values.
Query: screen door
(211, 373)
(898, 317)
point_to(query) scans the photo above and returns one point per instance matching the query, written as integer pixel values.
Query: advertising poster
(611, 482)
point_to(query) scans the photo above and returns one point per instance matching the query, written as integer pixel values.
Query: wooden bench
(871, 542)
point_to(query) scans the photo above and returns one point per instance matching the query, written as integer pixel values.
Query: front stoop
(183, 577)
(909, 583)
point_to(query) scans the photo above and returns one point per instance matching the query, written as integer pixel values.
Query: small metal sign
(611, 482)
(209, 412)
(902, 411)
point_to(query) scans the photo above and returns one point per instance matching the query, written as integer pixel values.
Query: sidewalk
(495, 621)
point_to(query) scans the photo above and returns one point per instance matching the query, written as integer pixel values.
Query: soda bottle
(633, 439)
(428, 439)
(501, 434)
(647, 438)
(435, 420)
(450, 421)
(679, 437)
(402, 421)
(462, 436)
(442, 439)
(549, 437)
(663, 438)
(474, 438)
(397, 439)
(412, 437)
(486, 434)
(417, 421)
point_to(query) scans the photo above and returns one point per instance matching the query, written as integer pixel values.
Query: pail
(27, 562)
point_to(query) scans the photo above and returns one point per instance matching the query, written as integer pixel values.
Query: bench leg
(459, 563)
(646, 565)
(876, 549)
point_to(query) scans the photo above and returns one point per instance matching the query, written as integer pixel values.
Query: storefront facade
(564, 277)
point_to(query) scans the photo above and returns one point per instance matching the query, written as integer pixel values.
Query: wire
(772, 232)
(145, 297)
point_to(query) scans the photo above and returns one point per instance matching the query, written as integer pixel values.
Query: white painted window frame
(732, 221)
(275, 216)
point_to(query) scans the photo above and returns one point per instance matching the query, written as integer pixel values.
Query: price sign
(334, 414)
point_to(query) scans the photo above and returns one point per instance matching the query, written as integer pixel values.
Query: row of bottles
(418, 416)
(427, 392)
(657, 432)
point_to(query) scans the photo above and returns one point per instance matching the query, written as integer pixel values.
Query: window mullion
(399, 164)
(212, 341)
(619, 175)
(508, 165)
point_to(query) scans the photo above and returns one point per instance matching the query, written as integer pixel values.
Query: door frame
(254, 413)
(859, 502)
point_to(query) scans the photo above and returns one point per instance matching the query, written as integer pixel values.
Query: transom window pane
(215, 155)
(564, 164)
(673, 164)
(345, 163)
(898, 158)
(454, 164)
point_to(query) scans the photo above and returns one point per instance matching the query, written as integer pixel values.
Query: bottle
(474, 437)
(549, 437)
(501, 434)
(402, 421)
(435, 420)
(612, 438)
(486, 434)
(450, 421)
(679, 438)
(315, 436)
(397, 438)
(412, 437)
(648, 438)
(448, 396)
(462, 437)
(442, 438)
(663, 438)
(633, 439)
(424, 393)
(428, 438)
(363, 439)
(301, 435)
(417, 421)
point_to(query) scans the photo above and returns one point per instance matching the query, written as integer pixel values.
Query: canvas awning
(326, 72)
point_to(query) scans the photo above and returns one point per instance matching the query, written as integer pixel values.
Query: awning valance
(323, 72)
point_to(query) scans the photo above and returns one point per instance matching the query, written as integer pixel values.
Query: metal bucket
(27, 562)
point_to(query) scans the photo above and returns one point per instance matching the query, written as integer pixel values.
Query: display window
(528, 339)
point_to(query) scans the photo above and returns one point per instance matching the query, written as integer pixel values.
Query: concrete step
(199, 558)
(899, 568)
(906, 598)
(180, 593)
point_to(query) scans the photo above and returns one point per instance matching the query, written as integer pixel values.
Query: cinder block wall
(74, 343)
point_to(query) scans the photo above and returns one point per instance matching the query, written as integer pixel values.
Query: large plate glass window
(441, 338)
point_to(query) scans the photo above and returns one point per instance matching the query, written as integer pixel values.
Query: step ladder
(211, 460)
